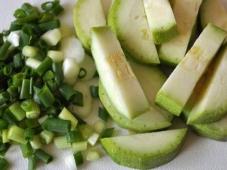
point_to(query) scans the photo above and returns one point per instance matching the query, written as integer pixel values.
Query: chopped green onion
(46, 97)
(57, 68)
(67, 115)
(26, 150)
(43, 156)
(25, 39)
(79, 146)
(17, 79)
(33, 63)
(78, 157)
(92, 155)
(44, 66)
(36, 142)
(52, 37)
(56, 56)
(74, 136)
(56, 125)
(31, 108)
(3, 164)
(107, 133)
(29, 133)
(4, 50)
(49, 25)
(17, 61)
(49, 75)
(13, 91)
(103, 114)
(9, 117)
(16, 134)
(47, 136)
(17, 111)
(4, 148)
(46, 17)
(82, 73)
(3, 124)
(85, 131)
(5, 136)
(4, 97)
(31, 123)
(67, 91)
(42, 119)
(52, 7)
(29, 51)
(32, 163)
(19, 13)
(61, 142)
(94, 90)
(93, 139)
(28, 18)
(25, 89)
(7, 70)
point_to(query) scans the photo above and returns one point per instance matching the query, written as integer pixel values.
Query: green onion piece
(46, 17)
(47, 136)
(4, 148)
(17, 61)
(77, 99)
(46, 26)
(67, 91)
(103, 114)
(44, 66)
(4, 97)
(67, 115)
(49, 75)
(7, 70)
(56, 125)
(31, 108)
(19, 13)
(74, 136)
(78, 157)
(29, 134)
(52, 111)
(33, 63)
(61, 142)
(32, 17)
(57, 68)
(107, 133)
(9, 117)
(35, 96)
(17, 79)
(52, 7)
(43, 156)
(56, 56)
(16, 134)
(46, 97)
(32, 163)
(29, 51)
(17, 111)
(26, 150)
(92, 155)
(13, 91)
(36, 142)
(4, 50)
(92, 140)
(42, 119)
(25, 89)
(94, 90)
(79, 146)
(25, 39)
(3, 164)
(86, 130)
(3, 124)
(82, 73)
(14, 26)
(5, 136)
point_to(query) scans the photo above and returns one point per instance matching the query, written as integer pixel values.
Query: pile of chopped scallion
(33, 94)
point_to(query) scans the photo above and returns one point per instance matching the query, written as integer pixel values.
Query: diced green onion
(32, 162)
(46, 97)
(4, 97)
(56, 56)
(29, 134)
(17, 61)
(56, 125)
(25, 39)
(7, 70)
(28, 18)
(92, 155)
(49, 25)
(29, 51)
(36, 142)
(3, 148)
(86, 131)
(5, 136)
(13, 91)
(74, 136)
(43, 156)
(52, 37)
(52, 7)
(67, 115)
(61, 142)
(93, 139)
(82, 73)
(49, 75)
(31, 123)
(99, 126)
(17, 79)
(14, 38)
(31, 108)
(47, 136)
(9, 117)
(26, 150)
(79, 146)
(33, 63)
(57, 68)
(3, 164)
(44, 66)
(16, 134)
(107, 133)
(25, 89)
(3, 124)
(4, 50)
(103, 114)
(19, 13)
(67, 91)
(78, 157)
(17, 111)
(46, 17)
(71, 70)
(94, 90)
(42, 119)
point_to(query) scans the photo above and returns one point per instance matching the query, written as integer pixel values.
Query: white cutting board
(197, 153)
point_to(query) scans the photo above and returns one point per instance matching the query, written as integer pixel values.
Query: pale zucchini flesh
(179, 86)
(212, 105)
(116, 75)
(161, 20)
(128, 20)
(145, 151)
(87, 14)
(185, 11)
